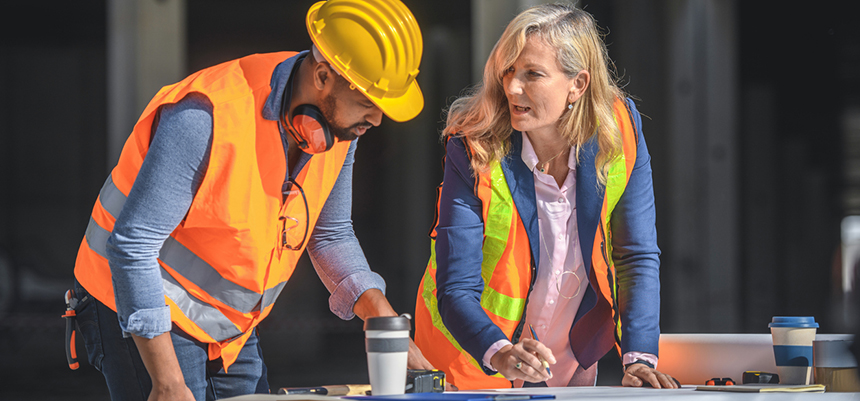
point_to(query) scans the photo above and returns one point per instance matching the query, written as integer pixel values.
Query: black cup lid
(388, 323)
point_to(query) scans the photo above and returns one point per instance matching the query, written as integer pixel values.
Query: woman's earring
(570, 106)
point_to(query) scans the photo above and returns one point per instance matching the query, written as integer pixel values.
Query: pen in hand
(542, 361)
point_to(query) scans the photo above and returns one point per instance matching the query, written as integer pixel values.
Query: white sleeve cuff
(488, 356)
(631, 357)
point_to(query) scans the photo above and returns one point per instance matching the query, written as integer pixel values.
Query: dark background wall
(797, 84)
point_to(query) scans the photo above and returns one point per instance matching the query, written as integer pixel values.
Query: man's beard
(339, 131)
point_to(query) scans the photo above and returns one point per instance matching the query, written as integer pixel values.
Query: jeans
(126, 376)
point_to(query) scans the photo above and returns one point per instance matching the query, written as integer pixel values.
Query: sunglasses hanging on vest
(305, 123)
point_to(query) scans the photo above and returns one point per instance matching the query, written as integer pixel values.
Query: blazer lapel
(521, 182)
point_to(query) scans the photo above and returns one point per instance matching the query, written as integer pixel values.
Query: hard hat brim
(403, 108)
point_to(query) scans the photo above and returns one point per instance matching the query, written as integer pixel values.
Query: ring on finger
(519, 365)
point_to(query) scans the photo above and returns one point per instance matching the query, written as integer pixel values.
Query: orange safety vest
(507, 271)
(222, 267)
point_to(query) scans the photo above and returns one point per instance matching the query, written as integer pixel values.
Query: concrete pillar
(489, 19)
(146, 50)
(704, 166)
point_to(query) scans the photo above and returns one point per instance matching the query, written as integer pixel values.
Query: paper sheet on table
(455, 396)
(766, 388)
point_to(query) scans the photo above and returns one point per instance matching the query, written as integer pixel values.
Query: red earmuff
(310, 130)
(305, 123)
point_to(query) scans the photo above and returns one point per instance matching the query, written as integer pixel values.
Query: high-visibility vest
(507, 270)
(222, 268)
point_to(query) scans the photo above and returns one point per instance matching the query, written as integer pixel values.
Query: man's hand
(416, 358)
(417, 361)
(638, 374)
(523, 360)
(163, 367)
(162, 394)
(372, 303)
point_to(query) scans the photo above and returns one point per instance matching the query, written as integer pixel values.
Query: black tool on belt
(71, 353)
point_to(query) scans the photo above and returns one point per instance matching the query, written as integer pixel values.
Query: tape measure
(425, 381)
(752, 376)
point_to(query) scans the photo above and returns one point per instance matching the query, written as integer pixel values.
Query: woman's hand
(524, 360)
(638, 374)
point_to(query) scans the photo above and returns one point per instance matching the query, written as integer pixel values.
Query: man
(228, 176)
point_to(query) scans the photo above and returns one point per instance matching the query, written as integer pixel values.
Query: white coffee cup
(792, 347)
(387, 344)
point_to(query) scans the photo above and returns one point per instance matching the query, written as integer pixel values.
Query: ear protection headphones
(305, 123)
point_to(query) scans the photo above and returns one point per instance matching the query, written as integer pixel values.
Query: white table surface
(605, 393)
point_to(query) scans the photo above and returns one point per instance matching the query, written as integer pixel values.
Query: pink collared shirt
(561, 280)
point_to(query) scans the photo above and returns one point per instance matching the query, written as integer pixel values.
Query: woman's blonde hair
(483, 118)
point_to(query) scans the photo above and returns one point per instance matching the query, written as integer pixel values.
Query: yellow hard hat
(376, 45)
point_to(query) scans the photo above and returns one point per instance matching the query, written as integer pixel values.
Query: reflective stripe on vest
(616, 181)
(503, 297)
(192, 268)
(429, 297)
(499, 214)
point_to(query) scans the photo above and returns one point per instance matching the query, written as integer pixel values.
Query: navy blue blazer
(459, 239)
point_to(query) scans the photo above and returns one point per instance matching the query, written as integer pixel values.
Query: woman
(545, 219)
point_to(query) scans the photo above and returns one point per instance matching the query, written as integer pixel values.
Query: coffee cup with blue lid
(792, 347)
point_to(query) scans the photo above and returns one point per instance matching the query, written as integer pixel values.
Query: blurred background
(752, 119)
